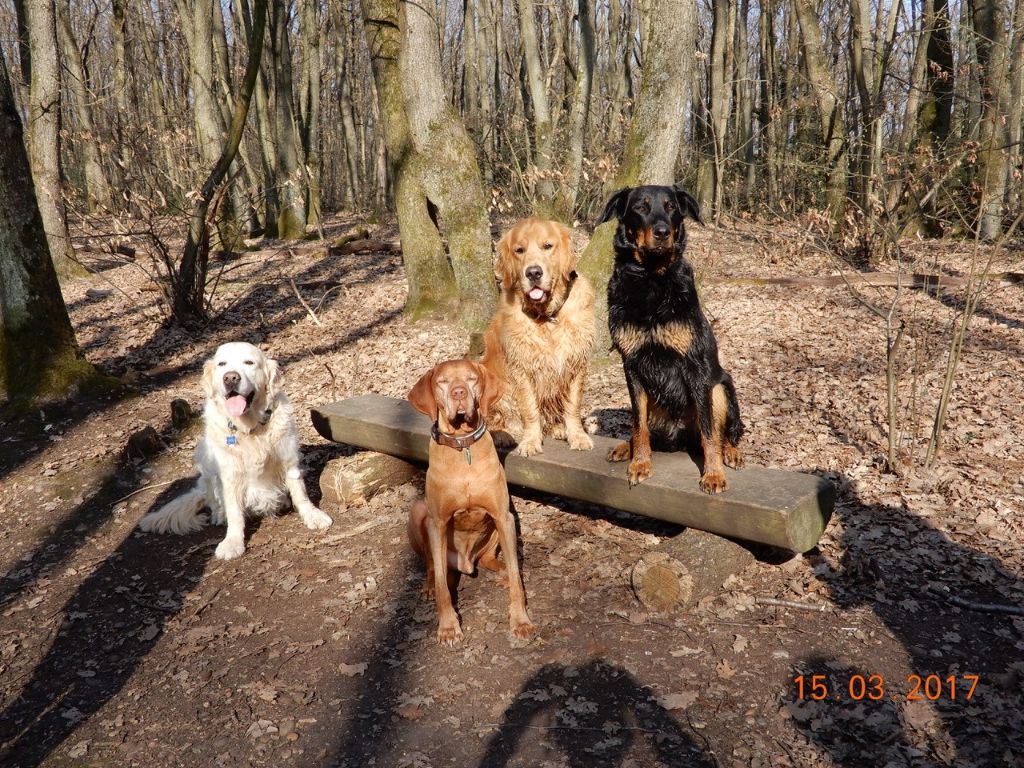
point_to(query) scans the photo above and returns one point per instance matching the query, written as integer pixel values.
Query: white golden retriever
(248, 459)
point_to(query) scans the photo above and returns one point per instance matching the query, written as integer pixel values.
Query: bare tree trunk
(744, 100)
(44, 131)
(97, 188)
(288, 175)
(1016, 121)
(580, 117)
(122, 152)
(309, 112)
(543, 130)
(39, 357)
(711, 169)
(769, 114)
(190, 280)
(989, 20)
(830, 108)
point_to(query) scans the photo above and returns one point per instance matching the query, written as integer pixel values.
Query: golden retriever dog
(465, 516)
(540, 337)
(248, 458)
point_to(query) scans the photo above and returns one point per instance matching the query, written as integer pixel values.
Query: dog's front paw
(639, 470)
(315, 519)
(522, 628)
(620, 452)
(449, 633)
(580, 440)
(713, 482)
(230, 548)
(530, 445)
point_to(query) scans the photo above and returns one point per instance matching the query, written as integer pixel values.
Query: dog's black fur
(653, 310)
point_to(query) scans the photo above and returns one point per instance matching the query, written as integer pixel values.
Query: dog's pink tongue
(537, 294)
(236, 405)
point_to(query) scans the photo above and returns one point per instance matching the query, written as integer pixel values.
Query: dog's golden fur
(540, 337)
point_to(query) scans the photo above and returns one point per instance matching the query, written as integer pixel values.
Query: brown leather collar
(459, 442)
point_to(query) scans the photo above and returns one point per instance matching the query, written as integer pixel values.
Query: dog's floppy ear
(615, 208)
(275, 379)
(491, 388)
(687, 204)
(504, 267)
(207, 379)
(569, 255)
(422, 395)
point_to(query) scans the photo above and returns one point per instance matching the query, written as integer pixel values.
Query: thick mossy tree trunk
(433, 164)
(669, 29)
(39, 357)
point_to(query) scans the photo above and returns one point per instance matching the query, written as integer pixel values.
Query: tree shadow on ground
(911, 575)
(110, 623)
(370, 730)
(595, 714)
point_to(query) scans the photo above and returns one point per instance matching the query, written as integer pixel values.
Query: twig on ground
(820, 607)
(302, 301)
(959, 602)
(145, 488)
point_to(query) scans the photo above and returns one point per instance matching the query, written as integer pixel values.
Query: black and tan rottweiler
(677, 387)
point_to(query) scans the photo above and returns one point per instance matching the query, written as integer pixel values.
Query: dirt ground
(316, 649)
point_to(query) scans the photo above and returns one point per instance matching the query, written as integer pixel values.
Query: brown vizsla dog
(465, 517)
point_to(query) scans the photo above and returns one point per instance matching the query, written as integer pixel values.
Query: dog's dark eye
(520, 250)
(442, 381)
(642, 207)
(222, 363)
(249, 362)
(669, 207)
(548, 246)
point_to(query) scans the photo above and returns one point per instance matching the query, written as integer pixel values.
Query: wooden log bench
(784, 509)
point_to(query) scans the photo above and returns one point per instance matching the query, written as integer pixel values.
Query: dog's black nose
(534, 272)
(231, 380)
(661, 230)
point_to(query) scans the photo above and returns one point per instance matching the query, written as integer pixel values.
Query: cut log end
(682, 570)
(353, 480)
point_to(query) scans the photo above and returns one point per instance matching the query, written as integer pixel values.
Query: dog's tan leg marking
(713, 478)
(640, 442)
(576, 435)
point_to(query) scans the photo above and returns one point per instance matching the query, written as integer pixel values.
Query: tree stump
(352, 480)
(686, 568)
(181, 414)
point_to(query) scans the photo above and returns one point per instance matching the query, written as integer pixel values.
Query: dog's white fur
(254, 475)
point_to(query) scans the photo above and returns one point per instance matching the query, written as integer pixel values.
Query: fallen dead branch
(959, 602)
(875, 279)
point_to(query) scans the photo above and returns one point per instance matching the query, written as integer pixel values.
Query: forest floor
(316, 649)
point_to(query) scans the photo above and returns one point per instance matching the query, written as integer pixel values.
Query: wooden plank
(771, 506)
